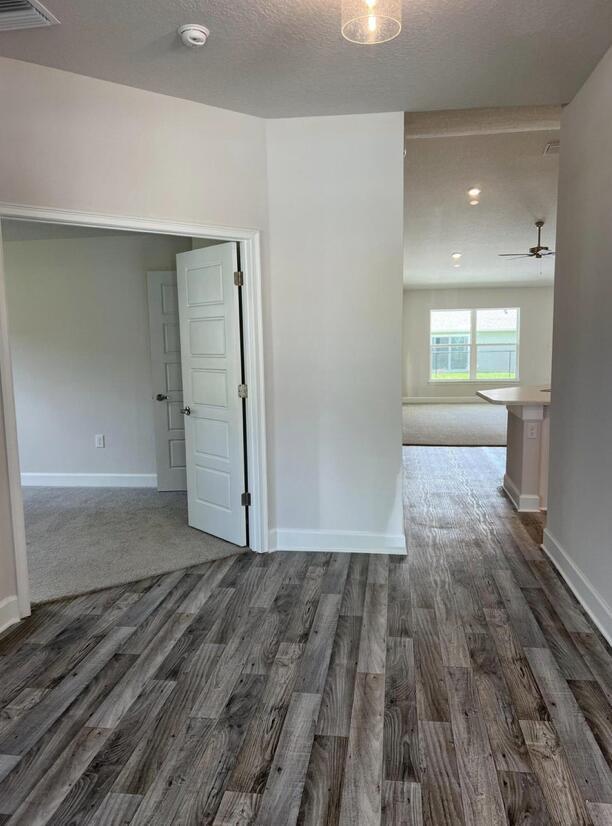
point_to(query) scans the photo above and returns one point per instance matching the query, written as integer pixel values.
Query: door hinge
(239, 278)
(245, 499)
(243, 391)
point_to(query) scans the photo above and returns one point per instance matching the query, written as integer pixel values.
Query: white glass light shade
(371, 21)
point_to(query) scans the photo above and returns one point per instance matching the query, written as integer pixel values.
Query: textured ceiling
(275, 58)
(519, 185)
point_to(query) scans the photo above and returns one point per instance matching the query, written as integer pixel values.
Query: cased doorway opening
(131, 394)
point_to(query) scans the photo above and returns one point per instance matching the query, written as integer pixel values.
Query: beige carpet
(454, 424)
(84, 539)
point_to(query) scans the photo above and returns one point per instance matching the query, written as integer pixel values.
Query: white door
(167, 381)
(211, 360)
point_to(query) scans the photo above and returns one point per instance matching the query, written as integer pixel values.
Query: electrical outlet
(532, 430)
(100, 440)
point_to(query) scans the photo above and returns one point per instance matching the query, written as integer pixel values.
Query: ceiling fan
(534, 252)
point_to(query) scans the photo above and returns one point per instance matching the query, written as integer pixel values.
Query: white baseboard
(9, 612)
(583, 589)
(89, 480)
(442, 400)
(524, 503)
(345, 541)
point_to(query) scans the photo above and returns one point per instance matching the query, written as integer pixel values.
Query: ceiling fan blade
(548, 253)
(515, 255)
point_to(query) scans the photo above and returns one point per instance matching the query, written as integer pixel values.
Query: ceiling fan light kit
(371, 21)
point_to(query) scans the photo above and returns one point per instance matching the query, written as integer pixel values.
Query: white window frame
(473, 346)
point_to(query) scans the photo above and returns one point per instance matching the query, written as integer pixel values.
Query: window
(496, 344)
(451, 344)
(474, 345)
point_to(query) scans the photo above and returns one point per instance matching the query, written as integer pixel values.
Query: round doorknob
(161, 397)
(186, 411)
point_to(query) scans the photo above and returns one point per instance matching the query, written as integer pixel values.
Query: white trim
(9, 612)
(523, 502)
(583, 589)
(249, 239)
(331, 541)
(89, 480)
(250, 261)
(7, 401)
(442, 400)
(479, 382)
(51, 215)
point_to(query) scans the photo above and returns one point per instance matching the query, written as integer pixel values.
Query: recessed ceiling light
(474, 193)
(456, 256)
(474, 202)
(456, 266)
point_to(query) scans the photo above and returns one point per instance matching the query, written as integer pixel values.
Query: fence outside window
(474, 345)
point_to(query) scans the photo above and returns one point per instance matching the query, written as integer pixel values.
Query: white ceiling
(275, 58)
(519, 186)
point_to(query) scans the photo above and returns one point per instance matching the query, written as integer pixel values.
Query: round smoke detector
(193, 35)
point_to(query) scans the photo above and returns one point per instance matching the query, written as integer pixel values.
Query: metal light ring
(365, 17)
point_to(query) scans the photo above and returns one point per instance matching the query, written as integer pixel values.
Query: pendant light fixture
(371, 21)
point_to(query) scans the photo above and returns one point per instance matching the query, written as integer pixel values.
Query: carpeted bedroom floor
(83, 539)
(481, 425)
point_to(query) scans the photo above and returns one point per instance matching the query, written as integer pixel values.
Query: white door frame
(250, 260)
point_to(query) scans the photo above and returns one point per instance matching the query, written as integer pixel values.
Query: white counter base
(526, 477)
(523, 502)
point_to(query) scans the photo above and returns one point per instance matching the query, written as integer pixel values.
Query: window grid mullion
(473, 353)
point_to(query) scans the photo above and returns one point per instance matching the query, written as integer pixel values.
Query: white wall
(335, 193)
(73, 142)
(535, 346)
(79, 336)
(579, 531)
(77, 143)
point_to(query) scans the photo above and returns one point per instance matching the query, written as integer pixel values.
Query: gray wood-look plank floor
(461, 685)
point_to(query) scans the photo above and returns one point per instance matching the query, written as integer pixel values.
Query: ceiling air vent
(24, 14)
(551, 148)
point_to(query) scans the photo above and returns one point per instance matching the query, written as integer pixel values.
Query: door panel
(172, 343)
(174, 380)
(210, 357)
(167, 380)
(175, 421)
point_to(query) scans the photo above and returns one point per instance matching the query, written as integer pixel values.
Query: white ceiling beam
(461, 122)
